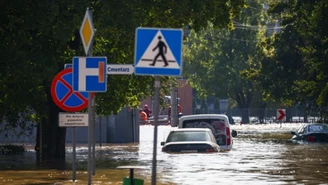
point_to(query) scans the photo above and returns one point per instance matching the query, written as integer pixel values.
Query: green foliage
(39, 37)
(36, 44)
(295, 69)
(217, 61)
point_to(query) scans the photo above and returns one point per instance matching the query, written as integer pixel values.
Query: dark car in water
(190, 140)
(317, 132)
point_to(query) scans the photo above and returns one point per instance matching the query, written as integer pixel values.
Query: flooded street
(262, 154)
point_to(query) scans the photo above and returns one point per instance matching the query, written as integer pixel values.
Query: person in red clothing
(147, 111)
(169, 113)
(143, 115)
(179, 109)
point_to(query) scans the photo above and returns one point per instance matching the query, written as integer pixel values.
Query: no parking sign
(63, 94)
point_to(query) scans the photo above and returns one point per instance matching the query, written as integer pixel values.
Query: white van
(218, 123)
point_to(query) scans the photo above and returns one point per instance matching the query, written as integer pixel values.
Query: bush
(10, 149)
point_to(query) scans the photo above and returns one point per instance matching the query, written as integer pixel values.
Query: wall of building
(121, 128)
(185, 95)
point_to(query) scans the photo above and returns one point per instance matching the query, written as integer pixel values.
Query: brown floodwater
(262, 154)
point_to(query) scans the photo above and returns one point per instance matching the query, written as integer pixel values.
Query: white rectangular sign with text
(73, 119)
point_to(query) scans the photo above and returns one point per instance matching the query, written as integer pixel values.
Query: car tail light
(228, 135)
(210, 150)
(311, 138)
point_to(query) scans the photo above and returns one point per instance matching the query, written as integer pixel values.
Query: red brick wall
(185, 95)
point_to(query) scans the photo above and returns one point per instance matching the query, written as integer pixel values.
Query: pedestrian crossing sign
(158, 52)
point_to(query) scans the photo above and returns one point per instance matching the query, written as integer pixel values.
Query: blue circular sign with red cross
(63, 95)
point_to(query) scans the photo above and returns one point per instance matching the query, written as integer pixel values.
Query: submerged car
(312, 133)
(191, 140)
(217, 123)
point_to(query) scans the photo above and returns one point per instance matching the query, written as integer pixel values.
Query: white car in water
(193, 140)
(217, 123)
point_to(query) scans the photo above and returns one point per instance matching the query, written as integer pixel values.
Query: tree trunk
(244, 102)
(53, 136)
(38, 140)
(289, 115)
(261, 115)
(305, 119)
(245, 115)
(306, 116)
(261, 112)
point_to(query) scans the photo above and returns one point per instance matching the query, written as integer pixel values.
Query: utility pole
(174, 106)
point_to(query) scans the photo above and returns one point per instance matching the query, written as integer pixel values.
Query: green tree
(39, 37)
(294, 69)
(216, 59)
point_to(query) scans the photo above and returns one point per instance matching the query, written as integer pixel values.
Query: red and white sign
(281, 114)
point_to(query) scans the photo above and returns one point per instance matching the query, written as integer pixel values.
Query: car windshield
(217, 126)
(318, 128)
(301, 129)
(188, 136)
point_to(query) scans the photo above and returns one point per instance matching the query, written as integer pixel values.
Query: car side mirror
(162, 143)
(293, 133)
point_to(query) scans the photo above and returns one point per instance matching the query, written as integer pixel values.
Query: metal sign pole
(174, 107)
(90, 126)
(89, 140)
(156, 111)
(100, 132)
(40, 144)
(93, 135)
(74, 154)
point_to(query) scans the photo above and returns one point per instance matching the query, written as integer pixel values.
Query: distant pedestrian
(147, 111)
(143, 115)
(179, 109)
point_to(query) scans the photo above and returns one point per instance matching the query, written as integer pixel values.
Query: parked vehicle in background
(317, 132)
(190, 141)
(217, 123)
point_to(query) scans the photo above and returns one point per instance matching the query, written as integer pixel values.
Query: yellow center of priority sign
(87, 31)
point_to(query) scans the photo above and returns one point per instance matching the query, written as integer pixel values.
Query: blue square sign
(89, 74)
(158, 52)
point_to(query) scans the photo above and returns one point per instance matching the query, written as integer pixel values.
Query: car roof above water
(202, 116)
(191, 129)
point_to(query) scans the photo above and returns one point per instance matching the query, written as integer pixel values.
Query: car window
(188, 136)
(318, 128)
(217, 126)
(302, 129)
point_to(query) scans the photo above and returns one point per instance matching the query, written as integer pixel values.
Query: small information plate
(73, 119)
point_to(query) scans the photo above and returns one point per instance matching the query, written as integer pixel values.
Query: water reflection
(262, 154)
